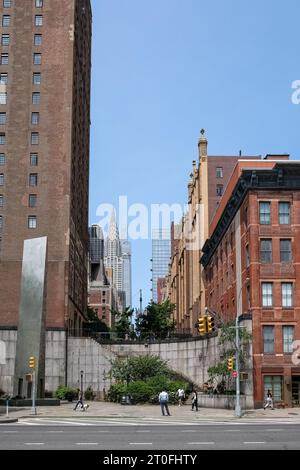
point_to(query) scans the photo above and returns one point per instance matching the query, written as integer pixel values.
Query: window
(38, 20)
(247, 256)
(248, 298)
(35, 118)
(5, 40)
(219, 172)
(288, 338)
(1, 200)
(36, 79)
(35, 138)
(32, 222)
(1, 179)
(285, 251)
(219, 189)
(2, 118)
(267, 294)
(34, 159)
(284, 213)
(2, 139)
(6, 20)
(36, 98)
(3, 98)
(39, 3)
(6, 3)
(266, 251)
(269, 339)
(32, 200)
(273, 383)
(33, 179)
(3, 78)
(2, 159)
(1, 222)
(38, 39)
(287, 294)
(37, 58)
(265, 213)
(4, 59)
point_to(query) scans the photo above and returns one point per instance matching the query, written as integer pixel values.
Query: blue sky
(162, 70)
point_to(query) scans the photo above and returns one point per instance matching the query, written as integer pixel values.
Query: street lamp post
(238, 411)
(81, 381)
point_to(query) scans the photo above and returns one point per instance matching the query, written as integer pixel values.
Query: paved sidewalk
(113, 410)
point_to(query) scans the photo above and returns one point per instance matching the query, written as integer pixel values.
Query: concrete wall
(55, 359)
(191, 359)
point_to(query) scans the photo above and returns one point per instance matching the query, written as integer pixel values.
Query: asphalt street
(113, 434)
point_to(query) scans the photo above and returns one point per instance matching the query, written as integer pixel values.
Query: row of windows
(266, 250)
(265, 213)
(6, 20)
(37, 40)
(35, 119)
(32, 221)
(8, 3)
(33, 177)
(37, 59)
(269, 339)
(36, 98)
(286, 294)
(34, 158)
(32, 200)
(35, 136)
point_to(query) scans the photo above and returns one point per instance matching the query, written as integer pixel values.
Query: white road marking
(143, 431)
(86, 443)
(34, 443)
(200, 443)
(254, 442)
(141, 443)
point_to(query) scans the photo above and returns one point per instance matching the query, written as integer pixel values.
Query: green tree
(219, 373)
(123, 323)
(94, 323)
(138, 368)
(156, 321)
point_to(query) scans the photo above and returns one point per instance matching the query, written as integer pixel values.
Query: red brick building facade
(252, 269)
(44, 161)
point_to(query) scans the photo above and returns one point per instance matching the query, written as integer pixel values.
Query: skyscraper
(126, 256)
(113, 256)
(44, 155)
(161, 251)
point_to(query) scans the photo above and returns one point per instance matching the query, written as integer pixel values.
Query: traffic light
(202, 325)
(32, 362)
(210, 324)
(230, 362)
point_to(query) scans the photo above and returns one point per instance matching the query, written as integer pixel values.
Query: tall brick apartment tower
(45, 66)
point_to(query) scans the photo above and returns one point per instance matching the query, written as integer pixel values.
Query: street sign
(234, 373)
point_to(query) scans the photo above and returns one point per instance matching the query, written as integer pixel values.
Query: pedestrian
(80, 400)
(269, 401)
(181, 396)
(163, 400)
(194, 400)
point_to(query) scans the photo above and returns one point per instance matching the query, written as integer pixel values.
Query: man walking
(163, 400)
(269, 401)
(80, 400)
(194, 400)
(181, 396)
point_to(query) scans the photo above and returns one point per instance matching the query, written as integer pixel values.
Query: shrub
(116, 392)
(65, 393)
(89, 394)
(147, 391)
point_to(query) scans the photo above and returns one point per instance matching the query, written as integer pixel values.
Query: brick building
(44, 151)
(207, 184)
(251, 267)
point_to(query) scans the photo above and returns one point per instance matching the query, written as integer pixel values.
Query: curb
(8, 420)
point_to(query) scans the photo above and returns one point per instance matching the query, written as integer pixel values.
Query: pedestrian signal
(210, 324)
(32, 362)
(230, 363)
(202, 325)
